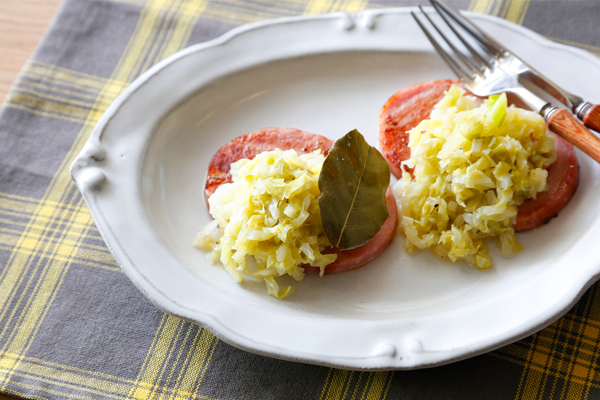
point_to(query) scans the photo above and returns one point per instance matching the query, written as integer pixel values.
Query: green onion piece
(498, 110)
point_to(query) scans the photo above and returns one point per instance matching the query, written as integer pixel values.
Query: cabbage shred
(267, 220)
(470, 168)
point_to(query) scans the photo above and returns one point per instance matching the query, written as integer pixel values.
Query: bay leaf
(353, 182)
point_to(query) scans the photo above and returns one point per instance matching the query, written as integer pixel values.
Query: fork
(485, 75)
(585, 111)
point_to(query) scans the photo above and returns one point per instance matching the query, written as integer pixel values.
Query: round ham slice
(404, 110)
(250, 145)
(561, 184)
(356, 258)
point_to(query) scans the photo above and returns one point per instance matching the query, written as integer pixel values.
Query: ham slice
(404, 110)
(561, 184)
(356, 258)
(250, 145)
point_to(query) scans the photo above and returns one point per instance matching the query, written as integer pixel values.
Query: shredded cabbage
(472, 167)
(268, 220)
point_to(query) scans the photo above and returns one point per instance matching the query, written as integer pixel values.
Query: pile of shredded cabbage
(269, 212)
(472, 167)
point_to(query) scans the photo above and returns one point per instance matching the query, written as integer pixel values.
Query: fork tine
(475, 68)
(458, 70)
(462, 39)
(488, 42)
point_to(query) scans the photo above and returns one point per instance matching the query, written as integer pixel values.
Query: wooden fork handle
(564, 124)
(591, 119)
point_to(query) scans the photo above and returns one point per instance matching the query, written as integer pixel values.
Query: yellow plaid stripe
(238, 12)
(561, 361)
(55, 92)
(512, 10)
(36, 295)
(15, 217)
(322, 6)
(515, 10)
(95, 384)
(484, 6)
(241, 12)
(342, 384)
(171, 364)
(558, 361)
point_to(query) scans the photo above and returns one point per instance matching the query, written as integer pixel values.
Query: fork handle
(564, 124)
(591, 119)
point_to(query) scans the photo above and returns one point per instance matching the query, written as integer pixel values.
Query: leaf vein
(353, 198)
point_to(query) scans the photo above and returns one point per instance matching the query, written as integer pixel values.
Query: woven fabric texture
(72, 326)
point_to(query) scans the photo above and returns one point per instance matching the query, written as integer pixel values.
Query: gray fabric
(574, 21)
(73, 326)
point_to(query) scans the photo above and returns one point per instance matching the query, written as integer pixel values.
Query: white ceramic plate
(142, 175)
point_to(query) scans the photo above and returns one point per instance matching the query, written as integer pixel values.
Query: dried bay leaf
(353, 182)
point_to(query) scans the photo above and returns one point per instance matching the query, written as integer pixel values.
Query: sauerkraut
(470, 168)
(267, 221)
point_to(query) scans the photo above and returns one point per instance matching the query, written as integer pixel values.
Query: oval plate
(142, 175)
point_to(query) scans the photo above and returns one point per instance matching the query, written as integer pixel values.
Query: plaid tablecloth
(72, 326)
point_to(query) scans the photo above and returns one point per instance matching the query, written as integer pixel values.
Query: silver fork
(585, 111)
(487, 75)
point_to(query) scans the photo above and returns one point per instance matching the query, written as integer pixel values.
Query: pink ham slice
(250, 145)
(404, 110)
(561, 184)
(356, 258)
